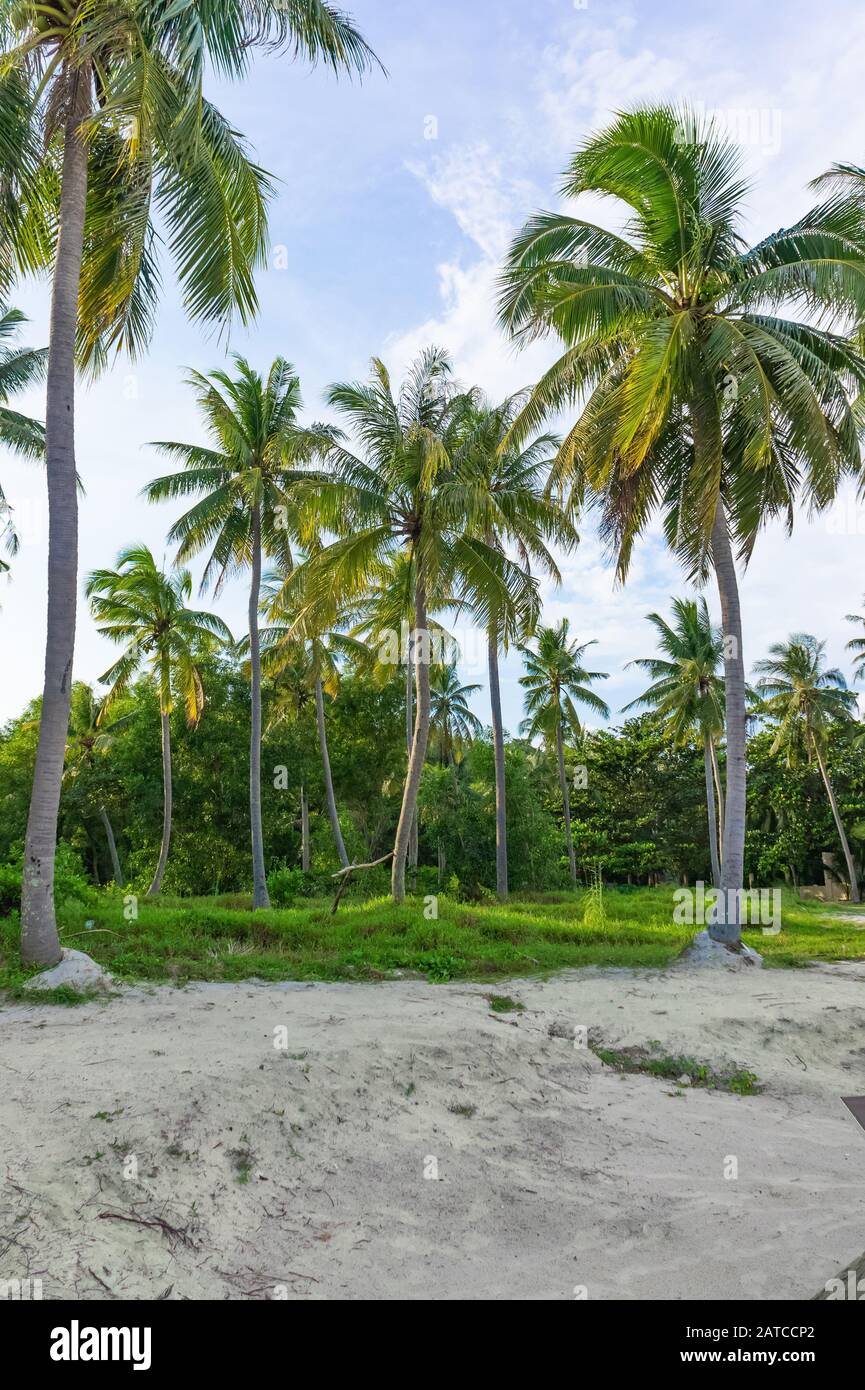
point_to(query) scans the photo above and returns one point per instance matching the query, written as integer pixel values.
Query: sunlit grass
(212, 939)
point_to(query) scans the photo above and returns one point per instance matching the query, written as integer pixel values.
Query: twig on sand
(153, 1223)
(345, 874)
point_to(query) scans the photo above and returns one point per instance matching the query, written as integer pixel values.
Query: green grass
(699, 1075)
(211, 939)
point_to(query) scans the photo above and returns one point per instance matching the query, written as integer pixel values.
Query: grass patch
(650, 1062)
(504, 1004)
(210, 939)
(462, 1108)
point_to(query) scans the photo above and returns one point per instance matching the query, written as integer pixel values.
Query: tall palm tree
(104, 128)
(688, 692)
(20, 367)
(393, 501)
(705, 396)
(246, 484)
(506, 496)
(805, 698)
(453, 723)
(313, 657)
(88, 739)
(857, 645)
(555, 682)
(140, 605)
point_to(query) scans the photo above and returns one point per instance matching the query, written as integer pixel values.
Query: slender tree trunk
(710, 810)
(419, 744)
(409, 734)
(304, 830)
(167, 802)
(328, 779)
(728, 928)
(839, 826)
(40, 944)
(566, 800)
(499, 758)
(260, 898)
(716, 773)
(112, 847)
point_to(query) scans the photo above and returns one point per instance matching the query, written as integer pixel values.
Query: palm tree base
(707, 950)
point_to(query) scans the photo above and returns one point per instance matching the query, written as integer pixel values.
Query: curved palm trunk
(728, 928)
(167, 801)
(40, 944)
(260, 898)
(328, 779)
(716, 773)
(418, 747)
(112, 847)
(566, 800)
(710, 810)
(499, 758)
(409, 734)
(839, 826)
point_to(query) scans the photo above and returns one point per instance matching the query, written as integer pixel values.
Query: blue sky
(385, 240)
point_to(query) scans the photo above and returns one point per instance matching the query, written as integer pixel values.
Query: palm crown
(452, 720)
(803, 695)
(138, 604)
(696, 386)
(687, 689)
(556, 682)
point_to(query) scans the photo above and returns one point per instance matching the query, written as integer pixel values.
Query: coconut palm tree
(88, 739)
(20, 367)
(805, 698)
(708, 394)
(246, 482)
(105, 130)
(857, 645)
(688, 692)
(555, 682)
(313, 656)
(393, 501)
(504, 491)
(453, 723)
(140, 605)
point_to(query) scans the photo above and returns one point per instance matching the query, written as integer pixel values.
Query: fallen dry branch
(843, 1277)
(174, 1234)
(345, 874)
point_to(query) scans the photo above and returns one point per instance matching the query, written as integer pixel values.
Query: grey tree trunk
(499, 758)
(260, 897)
(112, 847)
(716, 773)
(839, 826)
(710, 810)
(409, 735)
(728, 927)
(304, 830)
(40, 944)
(566, 800)
(418, 747)
(167, 801)
(328, 779)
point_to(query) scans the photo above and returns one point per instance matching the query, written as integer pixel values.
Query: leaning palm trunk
(566, 800)
(728, 928)
(112, 847)
(418, 747)
(409, 736)
(328, 778)
(499, 758)
(40, 944)
(260, 898)
(839, 826)
(710, 809)
(720, 793)
(167, 799)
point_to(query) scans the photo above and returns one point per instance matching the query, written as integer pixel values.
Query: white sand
(566, 1174)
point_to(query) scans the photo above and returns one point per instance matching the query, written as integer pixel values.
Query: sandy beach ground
(399, 1140)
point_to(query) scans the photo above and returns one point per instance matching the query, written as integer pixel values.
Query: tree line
(704, 381)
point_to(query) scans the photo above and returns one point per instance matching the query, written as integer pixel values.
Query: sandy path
(565, 1175)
